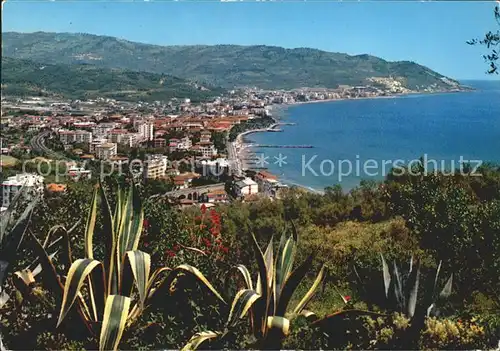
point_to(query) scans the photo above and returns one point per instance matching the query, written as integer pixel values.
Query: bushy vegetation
(256, 123)
(86, 81)
(373, 270)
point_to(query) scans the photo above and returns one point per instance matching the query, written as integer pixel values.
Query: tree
(491, 40)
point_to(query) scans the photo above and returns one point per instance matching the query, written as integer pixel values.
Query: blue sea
(363, 139)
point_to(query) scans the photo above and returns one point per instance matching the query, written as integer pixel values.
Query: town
(191, 151)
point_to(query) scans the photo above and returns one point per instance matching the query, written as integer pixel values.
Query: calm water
(345, 134)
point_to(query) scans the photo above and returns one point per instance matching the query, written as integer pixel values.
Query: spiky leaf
(113, 324)
(446, 292)
(198, 339)
(90, 226)
(310, 293)
(398, 289)
(184, 268)
(246, 275)
(110, 241)
(291, 285)
(284, 265)
(78, 272)
(262, 288)
(242, 302)
(131, 223)
(11, 239)
(386, 275)
(140, 265)
(413, 283)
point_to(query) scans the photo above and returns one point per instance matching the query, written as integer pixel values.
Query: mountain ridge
(227, 65)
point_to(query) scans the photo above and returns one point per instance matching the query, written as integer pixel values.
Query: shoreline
(243, 147)
(296, 103)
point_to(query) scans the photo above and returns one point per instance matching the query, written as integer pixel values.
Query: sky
(430, 33)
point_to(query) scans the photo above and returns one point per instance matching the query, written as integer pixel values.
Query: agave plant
(119, 285)
(267, 299)
(402, 289)
(12, 232)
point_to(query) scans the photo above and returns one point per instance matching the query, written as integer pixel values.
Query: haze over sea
(442, 126)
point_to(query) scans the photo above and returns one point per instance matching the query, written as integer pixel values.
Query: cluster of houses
(263, 184)
(99, 129)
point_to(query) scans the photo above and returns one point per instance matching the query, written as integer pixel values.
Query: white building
(94, 143)
(131, 139)
(269, 184)
(180, 144)
(35, 127)
(105, 151)
(117, 135)
(77, 173)
(206, 149)
(215, 167)
(10, 187)
(185, 143)
(124, 137)
(75, 136)
(205, 136)
(246, 187)
(155, 166)
(145, 130)
(102, 129)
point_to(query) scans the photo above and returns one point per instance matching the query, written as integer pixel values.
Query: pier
(284, 146)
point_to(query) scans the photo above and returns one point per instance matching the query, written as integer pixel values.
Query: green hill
(24, 77)
(221, 65)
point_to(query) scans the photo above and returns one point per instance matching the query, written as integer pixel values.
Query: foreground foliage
(455, 219)
(266, 300)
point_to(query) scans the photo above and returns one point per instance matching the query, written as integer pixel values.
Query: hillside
(221, 65)
(24, 77)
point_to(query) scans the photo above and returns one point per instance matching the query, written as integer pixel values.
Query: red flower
(176, 247)
(145, 223)
(170, 253)
(224, 249)
(203, 208)
(146, 244)
(214, 231)
(207, 242)
(347, 298)
(214, 215)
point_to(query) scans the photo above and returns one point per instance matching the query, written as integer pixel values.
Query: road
(37, 143)
(235, 166)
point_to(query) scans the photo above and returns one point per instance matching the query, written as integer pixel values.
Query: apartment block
(155, 166)
(105, 151)
(75, 136)
(33, 184)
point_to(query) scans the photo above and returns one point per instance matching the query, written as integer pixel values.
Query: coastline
(243, 147)
(373, 97)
